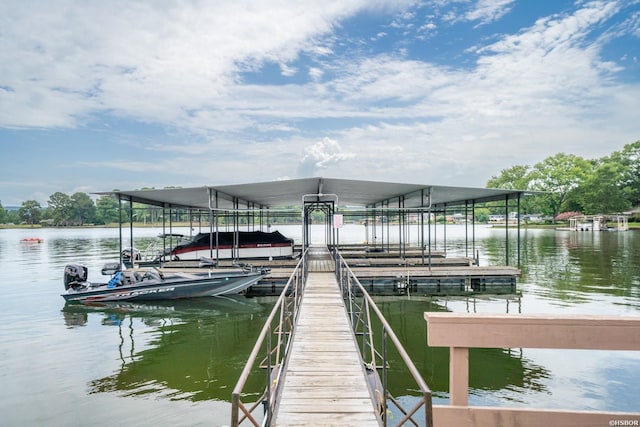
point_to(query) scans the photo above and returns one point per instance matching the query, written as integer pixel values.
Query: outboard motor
(74, 274)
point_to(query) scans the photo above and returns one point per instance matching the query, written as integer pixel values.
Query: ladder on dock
(325, 380)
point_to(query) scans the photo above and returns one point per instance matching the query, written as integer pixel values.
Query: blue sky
(125, 94)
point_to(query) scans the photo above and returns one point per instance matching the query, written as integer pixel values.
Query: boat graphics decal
(131, 294)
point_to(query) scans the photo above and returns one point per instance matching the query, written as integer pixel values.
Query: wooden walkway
(324, 383)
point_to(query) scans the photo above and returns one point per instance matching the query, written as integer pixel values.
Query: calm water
(176, 363)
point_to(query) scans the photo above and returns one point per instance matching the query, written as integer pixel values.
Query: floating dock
(384, 273)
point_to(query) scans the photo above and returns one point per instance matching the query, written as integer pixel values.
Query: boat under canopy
(233, 245)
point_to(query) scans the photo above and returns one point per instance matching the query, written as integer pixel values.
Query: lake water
(176, 363)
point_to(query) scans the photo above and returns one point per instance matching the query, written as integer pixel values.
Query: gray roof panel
(350, 193)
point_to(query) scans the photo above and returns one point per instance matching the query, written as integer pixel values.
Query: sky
(123, 94)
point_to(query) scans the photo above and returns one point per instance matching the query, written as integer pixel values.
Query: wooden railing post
(459, 376)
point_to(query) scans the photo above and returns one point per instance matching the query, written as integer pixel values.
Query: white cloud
(487, 11)
(142, 61)
(529, 95)
(315, 73)
(379, 36)
(321, 155)
(548, 68)
(287, 71)
(429, 26)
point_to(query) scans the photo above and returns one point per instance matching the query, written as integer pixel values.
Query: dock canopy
(347, 193)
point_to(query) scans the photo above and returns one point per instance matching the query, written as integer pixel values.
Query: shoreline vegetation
(559, 224)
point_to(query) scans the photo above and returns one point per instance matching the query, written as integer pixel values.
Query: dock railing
(461, 331)
(270, 352)
(361, 308)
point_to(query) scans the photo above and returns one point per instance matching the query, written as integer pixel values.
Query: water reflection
(580, 267)
(190, 351)
(185, 350)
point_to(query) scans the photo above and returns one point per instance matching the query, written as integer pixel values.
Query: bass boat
(153, 284)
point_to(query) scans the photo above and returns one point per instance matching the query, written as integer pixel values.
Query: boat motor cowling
(74, 274)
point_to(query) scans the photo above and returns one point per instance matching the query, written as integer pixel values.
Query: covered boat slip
(385, 209)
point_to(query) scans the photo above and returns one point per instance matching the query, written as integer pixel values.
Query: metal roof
(348, 193)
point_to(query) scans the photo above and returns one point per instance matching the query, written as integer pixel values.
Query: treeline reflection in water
(192, 349)
(177, 362)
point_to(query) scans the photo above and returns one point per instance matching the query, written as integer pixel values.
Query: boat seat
(131, 277)
(152, 274)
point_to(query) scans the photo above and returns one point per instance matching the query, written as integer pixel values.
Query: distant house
(500, 219)
(493, 219)
(533, 218)
(456, 218)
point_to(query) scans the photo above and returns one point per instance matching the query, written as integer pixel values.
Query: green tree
(13, 217)
(107, 210)
(558, 176)
(603, 192)
(517, 177)
(482, 215)
(30, 212)
(3, 214)
(629, 162)
(61, 207)
(513, 178)
(83, 210)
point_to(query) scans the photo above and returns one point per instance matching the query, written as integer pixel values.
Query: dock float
(325, 381)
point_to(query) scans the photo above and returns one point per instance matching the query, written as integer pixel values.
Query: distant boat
(153, 285)
(32, 240)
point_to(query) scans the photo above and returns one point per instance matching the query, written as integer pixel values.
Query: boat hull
(195, 253)
(178, 287)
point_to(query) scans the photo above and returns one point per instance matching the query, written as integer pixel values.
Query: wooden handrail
(533, 331)
(461, 331)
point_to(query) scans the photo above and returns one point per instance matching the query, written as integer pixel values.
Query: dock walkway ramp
(325, 381)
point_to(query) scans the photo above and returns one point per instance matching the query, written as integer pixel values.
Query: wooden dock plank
(323, 419)
(325, 382)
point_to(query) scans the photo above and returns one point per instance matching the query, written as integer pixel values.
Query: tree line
(79, 209)
(565, 182)
(64, 210)
(570, 183)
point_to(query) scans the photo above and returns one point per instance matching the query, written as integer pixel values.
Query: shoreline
(632, 226)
